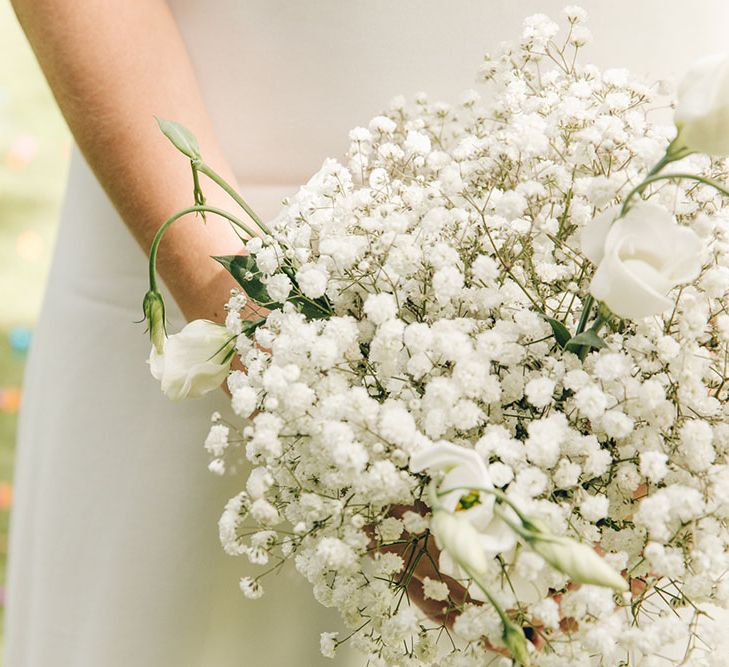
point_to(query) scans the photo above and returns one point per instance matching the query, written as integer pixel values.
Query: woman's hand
(420, 556)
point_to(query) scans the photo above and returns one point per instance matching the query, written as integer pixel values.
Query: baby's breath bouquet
(490, 378)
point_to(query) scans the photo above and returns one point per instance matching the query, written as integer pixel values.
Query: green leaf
(246, 273)
(586, 339)
(182, 139)
(312, 311)
(249, 328)
(560, 331)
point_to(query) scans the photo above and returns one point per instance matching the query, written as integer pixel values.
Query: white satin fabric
(114, 554)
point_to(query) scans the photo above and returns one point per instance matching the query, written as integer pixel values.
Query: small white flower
(417, 142)
(244, 401)
(415, 523)
(264, 512)
(217, 439)
(594, 508)
(591, 401)
(217, 466)
(696, 445)
(279, 287)
(435, 590)
(575, 14)
(447, 283)
(539, 391)
(251, 588)
(545, 437)
(312, 280)
(382, 124)
(259, 481)
(328, 644)
(653, 466)
(380, 307)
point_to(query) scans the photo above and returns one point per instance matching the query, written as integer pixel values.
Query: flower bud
(516, 642)
(702, 114)
(456, 535)
(578, 561)
(154, 313)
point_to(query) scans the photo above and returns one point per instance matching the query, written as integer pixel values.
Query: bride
(114, 554)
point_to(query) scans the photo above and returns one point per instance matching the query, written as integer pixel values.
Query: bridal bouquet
(490, 378)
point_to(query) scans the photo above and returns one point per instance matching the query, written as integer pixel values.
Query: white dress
(114, 554)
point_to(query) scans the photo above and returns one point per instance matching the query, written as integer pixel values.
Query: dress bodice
(285, 81)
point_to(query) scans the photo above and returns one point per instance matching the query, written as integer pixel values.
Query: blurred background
(34, 151)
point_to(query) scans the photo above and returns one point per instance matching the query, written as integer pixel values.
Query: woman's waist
(96, 255)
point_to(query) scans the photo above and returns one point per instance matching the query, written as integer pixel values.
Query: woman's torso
(285, 81)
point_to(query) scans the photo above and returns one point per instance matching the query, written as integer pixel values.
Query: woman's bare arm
(112, 65)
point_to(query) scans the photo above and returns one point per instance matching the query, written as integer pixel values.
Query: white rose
(465, 522)
(194, 361)
(640, 258)
(702, 114)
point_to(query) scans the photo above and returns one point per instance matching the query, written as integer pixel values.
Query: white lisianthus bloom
(640, 258)
(702, 114)
(465, 522)
(194, 361)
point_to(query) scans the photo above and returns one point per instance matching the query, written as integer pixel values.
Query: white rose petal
(641, 257)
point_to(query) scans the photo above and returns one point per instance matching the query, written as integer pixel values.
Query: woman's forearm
(112, 66)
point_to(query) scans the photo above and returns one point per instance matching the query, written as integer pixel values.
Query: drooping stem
(638, 189)
(492, 601)
(518, 653)
(204, 168)
(176, 216)
(674, 152)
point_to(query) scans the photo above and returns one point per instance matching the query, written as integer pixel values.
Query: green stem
(664, 177)
(520, 657)
(492, 601)
(176, 216)
(215, 177)
(600, 320)
(585, 314)
(196, 189)
(673, 152)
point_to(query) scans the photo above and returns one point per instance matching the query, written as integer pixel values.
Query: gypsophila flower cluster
(420, 294)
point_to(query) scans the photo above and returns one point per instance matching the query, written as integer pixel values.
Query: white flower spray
(483, 280)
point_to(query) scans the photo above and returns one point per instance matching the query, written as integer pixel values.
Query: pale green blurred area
(34, 149)
(34, 145)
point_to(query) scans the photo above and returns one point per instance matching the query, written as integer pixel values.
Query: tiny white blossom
(539, 391)
(328, 644)
(251, 588)
(312, 280)
(435, 590)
